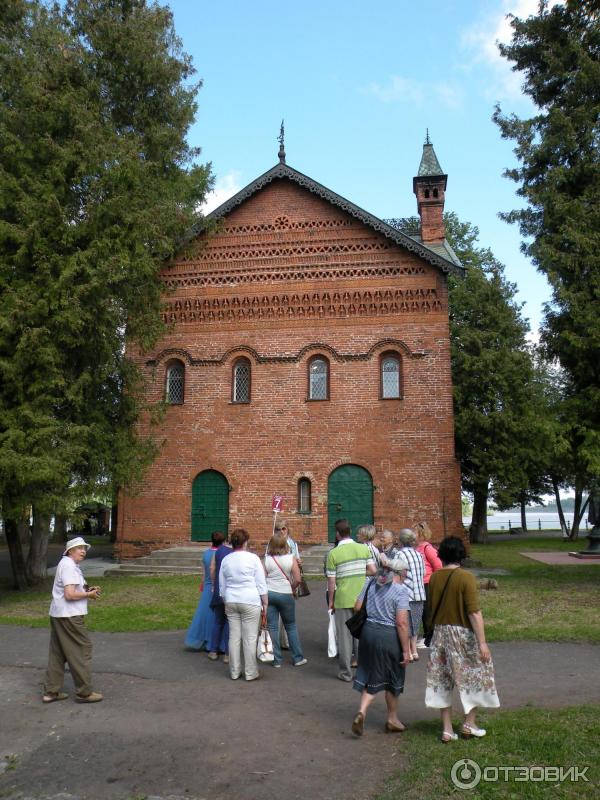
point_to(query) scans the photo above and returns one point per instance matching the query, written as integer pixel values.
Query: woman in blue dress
(199, 632)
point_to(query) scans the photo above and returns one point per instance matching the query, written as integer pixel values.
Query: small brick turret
(430, 186)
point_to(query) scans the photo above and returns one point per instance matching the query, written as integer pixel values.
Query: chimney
(430, 187)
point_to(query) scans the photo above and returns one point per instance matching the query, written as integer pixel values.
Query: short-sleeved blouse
(384, 601)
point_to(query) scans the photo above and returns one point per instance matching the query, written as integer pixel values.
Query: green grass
(539, 601)
(536, 601)
(524, 738)
(127, 604)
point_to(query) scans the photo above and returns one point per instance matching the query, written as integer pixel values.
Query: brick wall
(289, 276)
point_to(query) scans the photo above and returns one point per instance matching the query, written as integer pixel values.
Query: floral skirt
(454, 660)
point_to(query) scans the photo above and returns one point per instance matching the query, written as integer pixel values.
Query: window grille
(318, 379)
(241, 382)
(175, 384)
(390, 377)
(304, 499)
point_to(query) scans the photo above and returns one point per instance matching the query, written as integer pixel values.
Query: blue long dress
(199, 632)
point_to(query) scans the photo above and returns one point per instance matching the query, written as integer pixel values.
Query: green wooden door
(350, 496)
(210, 505)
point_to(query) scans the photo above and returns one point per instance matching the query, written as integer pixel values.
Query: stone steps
(154, 569)
(188, 561)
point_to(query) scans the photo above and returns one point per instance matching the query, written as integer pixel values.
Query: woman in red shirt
(432, 564)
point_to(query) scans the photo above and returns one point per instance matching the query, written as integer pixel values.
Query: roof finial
(427, 139)
(281, 139)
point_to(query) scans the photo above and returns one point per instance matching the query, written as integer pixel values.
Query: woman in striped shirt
(415, 585)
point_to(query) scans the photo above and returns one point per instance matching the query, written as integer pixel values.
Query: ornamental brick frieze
(275, 250)
(320, 305)
(300, 274)
(282, 222)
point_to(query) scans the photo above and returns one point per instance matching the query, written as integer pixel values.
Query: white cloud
(398, 90)
(481, 43)
(408, 90)
(225, 188)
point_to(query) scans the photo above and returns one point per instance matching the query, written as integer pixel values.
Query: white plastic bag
(264, 647)
(332, 649)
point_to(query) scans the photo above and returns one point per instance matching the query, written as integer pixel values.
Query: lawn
(128, 603)
(525, 738)
(535, 601)
(538, 601)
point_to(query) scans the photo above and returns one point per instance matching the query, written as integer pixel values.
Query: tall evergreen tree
(558, 53)
(492, 375)
(97, 188)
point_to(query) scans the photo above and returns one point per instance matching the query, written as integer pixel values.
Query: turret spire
(281, 140)
(430, 186)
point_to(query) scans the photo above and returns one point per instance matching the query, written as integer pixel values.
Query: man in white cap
(69, 641)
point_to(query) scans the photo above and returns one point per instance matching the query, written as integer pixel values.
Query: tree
(98, 188)
(558, 53)
(492, 375)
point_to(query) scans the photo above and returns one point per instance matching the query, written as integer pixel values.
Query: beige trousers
(244, 626)
(69, 643)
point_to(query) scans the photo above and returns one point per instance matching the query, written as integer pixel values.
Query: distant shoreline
(535, 521)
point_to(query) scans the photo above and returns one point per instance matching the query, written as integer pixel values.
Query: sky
(358, 84)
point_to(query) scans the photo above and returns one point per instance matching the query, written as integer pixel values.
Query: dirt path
(173, 725)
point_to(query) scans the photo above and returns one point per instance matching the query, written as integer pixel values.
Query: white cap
(78, 541)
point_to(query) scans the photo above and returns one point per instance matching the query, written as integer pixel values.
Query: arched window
(435, 192)
(427, 193)
(240, 388)
(175, 384)
(304, 496)
(390, 376)
(318, 378)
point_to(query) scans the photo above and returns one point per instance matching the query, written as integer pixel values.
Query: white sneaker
(301, 662)
(421, 644)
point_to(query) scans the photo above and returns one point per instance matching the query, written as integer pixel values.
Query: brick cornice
(290, 358)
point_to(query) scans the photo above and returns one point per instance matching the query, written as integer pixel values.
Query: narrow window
(241, 381)
(304, 499)
(175, 384)
(390, 376)
(318, 379)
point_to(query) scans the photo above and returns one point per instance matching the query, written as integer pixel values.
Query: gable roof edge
(281, 171)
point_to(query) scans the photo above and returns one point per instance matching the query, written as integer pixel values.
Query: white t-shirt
(67, 574)
(276, 580)
(242, 578)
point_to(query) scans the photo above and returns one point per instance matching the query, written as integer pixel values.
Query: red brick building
(308, 355)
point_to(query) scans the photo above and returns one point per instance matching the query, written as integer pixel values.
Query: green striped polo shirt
(347, 563)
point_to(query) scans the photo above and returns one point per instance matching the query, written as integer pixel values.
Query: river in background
(512, 519)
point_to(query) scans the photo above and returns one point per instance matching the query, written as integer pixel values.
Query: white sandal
(448, 736)
(471, 730)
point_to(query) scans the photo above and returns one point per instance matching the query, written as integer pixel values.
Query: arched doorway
(210, 505)
(350, 496)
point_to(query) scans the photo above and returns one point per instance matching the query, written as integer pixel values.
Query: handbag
(427, 639)
(356, 622)
(264, 647)
(302, 589)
